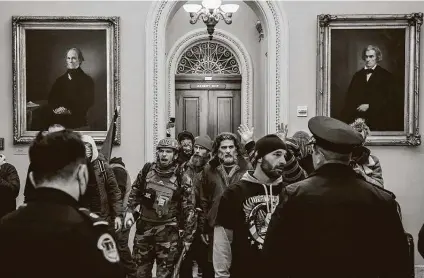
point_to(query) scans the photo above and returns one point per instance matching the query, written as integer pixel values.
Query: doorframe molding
(276, 93)
(240, 53)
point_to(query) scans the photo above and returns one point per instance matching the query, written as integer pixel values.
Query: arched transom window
(208, 58)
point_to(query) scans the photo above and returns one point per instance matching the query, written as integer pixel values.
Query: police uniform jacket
(335, 224)
(52, 237)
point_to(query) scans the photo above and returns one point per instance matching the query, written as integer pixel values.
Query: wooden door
(191, 111)
(224, 111)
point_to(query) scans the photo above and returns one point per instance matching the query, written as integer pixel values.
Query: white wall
(133, 15)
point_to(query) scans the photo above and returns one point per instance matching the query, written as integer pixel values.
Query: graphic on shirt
(258, 217)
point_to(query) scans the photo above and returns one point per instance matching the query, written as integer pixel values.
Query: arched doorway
(275, 94)
(207, 89)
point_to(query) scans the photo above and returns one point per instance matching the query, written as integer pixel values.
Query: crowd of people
(309, 205)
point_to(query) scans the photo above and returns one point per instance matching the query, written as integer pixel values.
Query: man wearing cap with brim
(335, 223)
(245, 210)
(198, 250)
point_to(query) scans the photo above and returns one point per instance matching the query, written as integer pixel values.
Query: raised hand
(282, 131)
(245, 133)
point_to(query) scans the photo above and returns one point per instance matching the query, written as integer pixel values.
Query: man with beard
(245, 210)
(198, 250)
(186, 140)
(293, 172)
(226, 167)
(335, 223)
(72, 94)
(164, 194)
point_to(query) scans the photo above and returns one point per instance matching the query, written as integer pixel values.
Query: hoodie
(244, 213)
(103, 195)
(88, 139)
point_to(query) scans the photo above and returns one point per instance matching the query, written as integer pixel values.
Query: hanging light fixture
(211, 11)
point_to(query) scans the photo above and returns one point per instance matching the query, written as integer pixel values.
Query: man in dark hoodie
(186, 140)
(124, 183)
(103, 195)
(245, 210)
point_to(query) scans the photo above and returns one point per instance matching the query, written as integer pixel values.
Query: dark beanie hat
(268, 144)
(205, 141)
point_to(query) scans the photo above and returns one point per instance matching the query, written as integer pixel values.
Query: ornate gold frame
(22, 23)
(412, 23)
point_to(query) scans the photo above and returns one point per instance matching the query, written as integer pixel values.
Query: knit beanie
(205, 141)
(268, 144)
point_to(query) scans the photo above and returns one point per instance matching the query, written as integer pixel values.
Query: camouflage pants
(155, 242)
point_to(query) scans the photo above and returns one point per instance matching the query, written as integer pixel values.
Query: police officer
(335, 223)
(52, 236)
(167, 212)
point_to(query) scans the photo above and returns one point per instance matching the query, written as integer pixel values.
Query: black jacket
(53, 237)
(76, 94)
(335, 224)
(9, 188)
(384, 96)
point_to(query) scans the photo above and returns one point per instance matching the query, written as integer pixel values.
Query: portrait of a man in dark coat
(374, 94)
(72, 93)
(67, 79)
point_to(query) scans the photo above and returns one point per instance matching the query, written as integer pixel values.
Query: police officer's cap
(334, 135)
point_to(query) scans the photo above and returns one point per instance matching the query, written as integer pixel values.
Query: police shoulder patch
(107, 245)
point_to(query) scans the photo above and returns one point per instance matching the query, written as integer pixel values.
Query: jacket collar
(52, 195)
(334, 169)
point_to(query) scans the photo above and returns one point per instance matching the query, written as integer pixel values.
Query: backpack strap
(103, 170)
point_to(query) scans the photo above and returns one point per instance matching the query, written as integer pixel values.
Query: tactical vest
(161, 197)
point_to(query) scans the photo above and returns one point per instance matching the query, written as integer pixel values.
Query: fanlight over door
(208, 58)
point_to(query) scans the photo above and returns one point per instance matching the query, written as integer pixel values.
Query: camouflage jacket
(185, 208)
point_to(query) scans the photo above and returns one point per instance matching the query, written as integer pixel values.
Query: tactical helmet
(168, 143)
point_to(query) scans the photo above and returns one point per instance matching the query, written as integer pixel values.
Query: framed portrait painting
(369, 69)
(65, 71)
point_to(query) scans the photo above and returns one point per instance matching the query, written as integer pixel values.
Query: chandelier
(211, 11)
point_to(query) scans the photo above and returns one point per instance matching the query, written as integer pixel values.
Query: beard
(227, 159)
(198, 160)
(272, 172)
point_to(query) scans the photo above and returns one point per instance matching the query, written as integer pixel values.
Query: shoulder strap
(103, 170)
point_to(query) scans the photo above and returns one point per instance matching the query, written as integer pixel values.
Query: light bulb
(211, 4)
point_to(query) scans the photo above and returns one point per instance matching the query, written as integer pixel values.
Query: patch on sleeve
(108, 246)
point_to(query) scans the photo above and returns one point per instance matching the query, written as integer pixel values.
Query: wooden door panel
(191, 111)
(224, 111)
(224, 114)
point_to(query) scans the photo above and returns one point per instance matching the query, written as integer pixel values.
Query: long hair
(226, 136)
